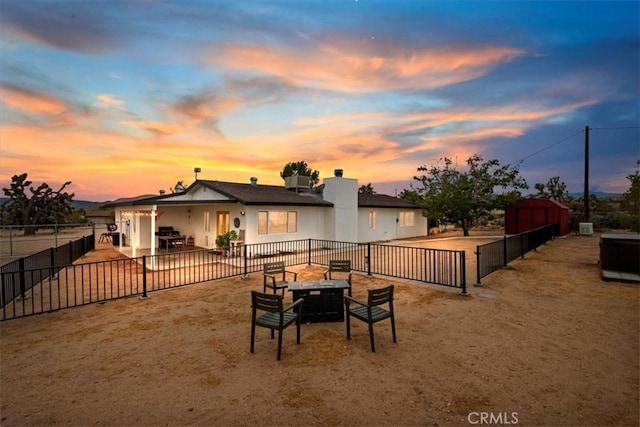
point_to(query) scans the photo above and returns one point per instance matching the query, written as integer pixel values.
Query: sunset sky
(125, 98)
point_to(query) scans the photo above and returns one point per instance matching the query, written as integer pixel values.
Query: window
(372, 220)
(407, 219)
(292, 222)
(207, 223)
(277, 222)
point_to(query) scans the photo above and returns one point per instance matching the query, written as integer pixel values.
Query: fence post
(478, 257)
(463, 273)
(522, 245)
(144, 277)
(52, 261)
(368, 259)
(309, 252)
(504, 252)
(3, 298)
(22, 278)
(245, 261)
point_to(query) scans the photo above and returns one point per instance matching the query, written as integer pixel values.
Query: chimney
(343, 193)
(162, 192)
(254, 181)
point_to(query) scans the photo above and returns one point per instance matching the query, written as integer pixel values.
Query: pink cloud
(347, 69)
(109, 100)
(156, 128)
(31, 101)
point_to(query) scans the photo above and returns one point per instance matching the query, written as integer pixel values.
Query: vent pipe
(338, 173)
(254, 181)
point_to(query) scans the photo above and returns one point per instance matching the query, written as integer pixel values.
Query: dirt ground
(543, 342)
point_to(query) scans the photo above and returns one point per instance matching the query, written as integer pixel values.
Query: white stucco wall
(311, 223)
(189, 221)
(341, 221)
(388, 226)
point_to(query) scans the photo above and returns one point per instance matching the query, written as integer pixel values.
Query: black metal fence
(495, 255)
(80, 284)
(14, 243)
(21, 275)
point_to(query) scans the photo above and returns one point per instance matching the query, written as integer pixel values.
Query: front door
(222, 222)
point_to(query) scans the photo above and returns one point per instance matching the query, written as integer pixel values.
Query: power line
(616, 128)
(568, 138)
(547, 147)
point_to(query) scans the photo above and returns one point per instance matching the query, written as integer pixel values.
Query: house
(100, 217)
(269, 213)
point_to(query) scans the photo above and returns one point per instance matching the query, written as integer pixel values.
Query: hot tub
(620, 257)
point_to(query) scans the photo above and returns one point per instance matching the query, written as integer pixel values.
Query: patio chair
(341, 268)
(274, 316)
(107, 237)
(371, 312)
(275, 276)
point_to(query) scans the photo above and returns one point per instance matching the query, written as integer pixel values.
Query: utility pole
(586, 174)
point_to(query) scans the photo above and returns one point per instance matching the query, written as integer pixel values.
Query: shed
(530, 214)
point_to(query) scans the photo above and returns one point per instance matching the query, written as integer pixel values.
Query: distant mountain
(598, 194)
(77, 204)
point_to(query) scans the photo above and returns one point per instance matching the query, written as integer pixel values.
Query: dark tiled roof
(259, 194)
(130, 201)
(249, 194)
(366, 200)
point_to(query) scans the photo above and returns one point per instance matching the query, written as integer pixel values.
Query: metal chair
(107, 237)
(341, 268)
(275, 317)
(371, 312)
(275, 276)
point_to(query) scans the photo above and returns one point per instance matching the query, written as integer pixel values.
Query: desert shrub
(606, 221)
(630, 221)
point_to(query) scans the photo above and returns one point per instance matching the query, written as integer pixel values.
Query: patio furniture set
(316, 301)
(172, 240)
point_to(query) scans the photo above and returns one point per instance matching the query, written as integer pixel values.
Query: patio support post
(309, 253)
(153, 236)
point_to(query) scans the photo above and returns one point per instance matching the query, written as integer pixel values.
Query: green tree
(554, 189)
(42, 206)
(463, 197)
(631, 201)
(366, 189)
(300, 168)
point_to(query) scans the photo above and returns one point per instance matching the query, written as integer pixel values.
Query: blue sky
(126, 97)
